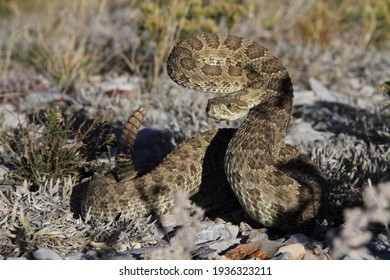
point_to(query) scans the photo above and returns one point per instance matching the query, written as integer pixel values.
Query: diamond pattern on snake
(274, 183)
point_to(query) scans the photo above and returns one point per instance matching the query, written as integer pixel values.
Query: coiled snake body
(275, 184)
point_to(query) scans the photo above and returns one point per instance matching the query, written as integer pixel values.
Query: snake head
(223, 108)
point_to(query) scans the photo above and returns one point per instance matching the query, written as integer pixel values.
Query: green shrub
(53, 150)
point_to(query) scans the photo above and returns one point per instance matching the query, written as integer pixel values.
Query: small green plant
(54, 149)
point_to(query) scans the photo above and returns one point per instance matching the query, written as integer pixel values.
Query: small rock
(367, 90)
(380, 246)
(223, 245)
(125, 256)
(137, 254)
(297, 250)
(263, 250)
(80, 256)
(205, 253)
(45, 254)
(9, 117)
(212, 231)
(119, 84)
(3, 171)
(120, 247)
(316, 254)
(283, 256)
(323, 94)
(383, 242)
(245, 229)
(257, 235)
(34, 100)
(168, 221)
(219, 220)
(354, 83)
(306, 97)
(212, 250)
(303, 132)
(300, 238)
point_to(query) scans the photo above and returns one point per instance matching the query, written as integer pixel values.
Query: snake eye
(229, 105)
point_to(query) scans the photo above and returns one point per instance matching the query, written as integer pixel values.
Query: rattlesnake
(275, 184)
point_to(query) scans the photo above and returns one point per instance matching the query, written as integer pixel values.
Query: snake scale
(275, 184)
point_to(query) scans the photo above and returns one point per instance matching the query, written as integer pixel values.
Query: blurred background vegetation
(68, 41)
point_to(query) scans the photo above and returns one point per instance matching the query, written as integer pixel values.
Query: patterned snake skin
(274, 183)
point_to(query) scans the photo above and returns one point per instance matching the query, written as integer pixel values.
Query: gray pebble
(311, 256)
(212, 231)
(300, 238)
(257, 235)
(245, 229)
(382, 242)
(380, 246)
(37, 99)
(9, 118)
(323, 94)
(283, 256)
(122, 83)
(223, 245)
(303, 132)
(3, 171)
(137, 254)
(45, 254)
(80, 256)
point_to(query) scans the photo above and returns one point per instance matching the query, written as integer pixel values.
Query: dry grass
(61, 45)
(37, 219)
(43, 219)
(69, 41)
(352, 21)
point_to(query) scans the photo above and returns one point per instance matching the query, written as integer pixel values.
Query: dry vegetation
(63, 45)
(69, 42)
